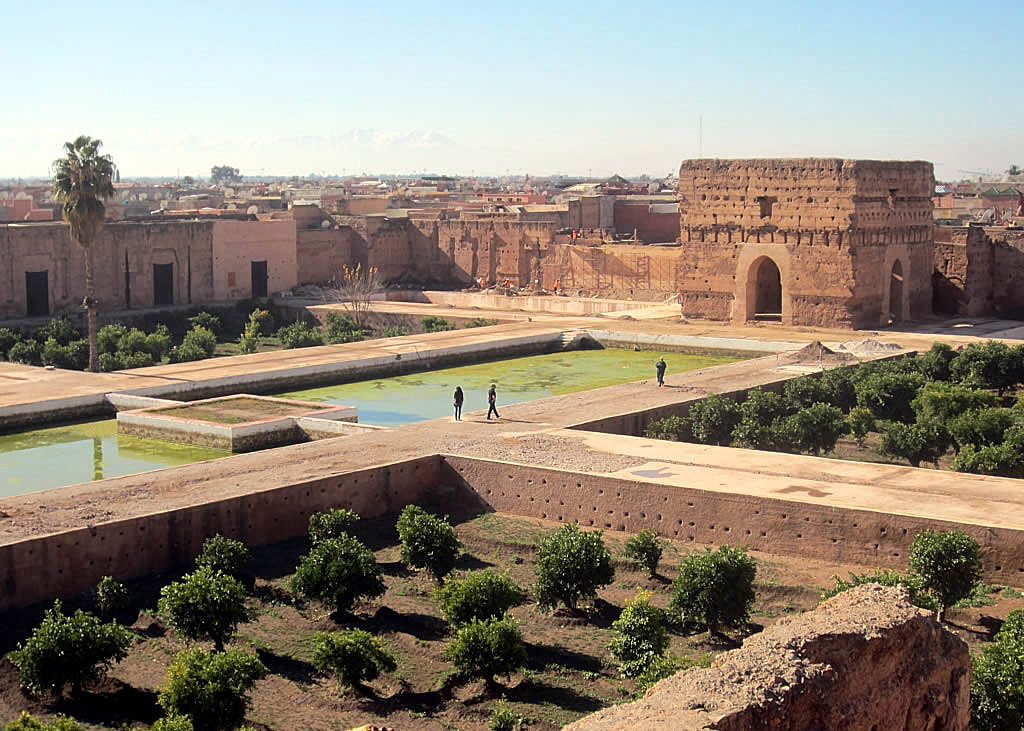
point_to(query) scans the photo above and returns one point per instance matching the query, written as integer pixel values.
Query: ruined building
(822, 242)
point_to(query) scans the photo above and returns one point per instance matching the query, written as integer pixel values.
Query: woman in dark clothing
(459, 398)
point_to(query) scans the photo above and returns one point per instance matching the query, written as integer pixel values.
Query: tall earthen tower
(822, 242)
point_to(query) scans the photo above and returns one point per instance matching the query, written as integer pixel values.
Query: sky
(480, 88)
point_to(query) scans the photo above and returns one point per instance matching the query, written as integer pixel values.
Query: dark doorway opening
(37, 294)
(163, 284)
(896, 292)
(768, 291)
(259, 279)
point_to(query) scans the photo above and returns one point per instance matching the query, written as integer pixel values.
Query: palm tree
(82, 180)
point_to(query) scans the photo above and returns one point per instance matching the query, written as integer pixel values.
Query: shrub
(936, 362)
(158, 343)
(27, 722)
(133, 341)
(67, 649)
(948, 563)
(111, 596)
(136, 360)
(8, 338)
(999, 460)
(434, 324)
(916, 443)
(889, 394)
(225, 555)
(816, 428)
(943, 402)
(29, 352)
(427, 541)
(644, 548)
(861, 421)
(713, 419)
(671, 428)
(389, 332)
(300, 335)
(803, 391)
(111, 362)
(479, 595)
(60, 329)
(503, 718)
(639, 636)
(997, 683)
(73, 356)
(992, 365)
(714, 589)
(760, 417)
(201, 339)
(338, 571)
(571, 565)
(205, 604)
(342, 329)
(839, 385)
(354, 656)
(211, 688)
(981, 427)
(173, 723)
(263, 320)
(249, 341)
(886, 577)
(481, 322)
(109, 337)
(205, 320)
(485, 648)
(331, 524)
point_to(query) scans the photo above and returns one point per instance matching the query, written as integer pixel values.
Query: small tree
(889, 394)
(485, 648)
(804, 391)
(173, 722)
(224, 174)
(354, 289)
(816, 428)
(948, 563)
(342, 329)
(639, 636)
(861, 421)
(992, 365)
(354, 656)
(714, 589)
(198, 344)
(435, 324)
(943, 402)
(223, 554)
(249, 341)
(571, 565)
(331, 524)
(999, 460)
(760, 416)
(27, 722)
(479, 595)
(981, 427)
(886, 577)
(997, 683)
(503, 718)
(935, 363)
(645, 548)
(915, 443)
(67, 649)
(839, 386)
(205, 604)
(427, 541)
(300, 335)
(714, 418)
(111, 596)
(212, 689)
(671, 428)
(206, 320)
(338, 571)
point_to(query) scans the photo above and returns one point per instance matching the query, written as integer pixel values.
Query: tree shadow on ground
(469, 562)
(298, 671)
(110, 702)
(397, 569)
(540, 656)
(538, 694)
(279, 559)
(421, 626)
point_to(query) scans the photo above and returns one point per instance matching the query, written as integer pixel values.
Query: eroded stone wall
(865, 660)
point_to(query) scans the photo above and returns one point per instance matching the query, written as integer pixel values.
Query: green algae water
(67, 455)
(428, 395)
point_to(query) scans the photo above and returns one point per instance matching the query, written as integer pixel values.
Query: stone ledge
(862, 661)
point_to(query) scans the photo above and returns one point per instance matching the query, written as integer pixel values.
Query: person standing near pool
(459, 398)
(492, 398)
(660, 367)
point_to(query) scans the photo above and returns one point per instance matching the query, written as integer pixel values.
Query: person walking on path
(459, 398)
(492, 397)
(660, 367)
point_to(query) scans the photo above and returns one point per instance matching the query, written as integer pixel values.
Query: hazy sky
(542, 87)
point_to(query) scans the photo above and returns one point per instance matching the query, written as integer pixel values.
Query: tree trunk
(89, 303)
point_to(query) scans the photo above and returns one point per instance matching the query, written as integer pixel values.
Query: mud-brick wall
(699, 516)
(70, 562)
(323, 254)
(1008, 271)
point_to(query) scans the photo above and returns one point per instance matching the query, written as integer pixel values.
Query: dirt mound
(859, 661)
(869, 346)
(814, 353)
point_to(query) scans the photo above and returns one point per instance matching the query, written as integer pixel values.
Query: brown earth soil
(569, 674)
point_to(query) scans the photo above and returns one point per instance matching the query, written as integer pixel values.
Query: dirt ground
(569, 673)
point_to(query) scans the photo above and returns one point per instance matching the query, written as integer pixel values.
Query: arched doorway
(896, 292)
(764, 291)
